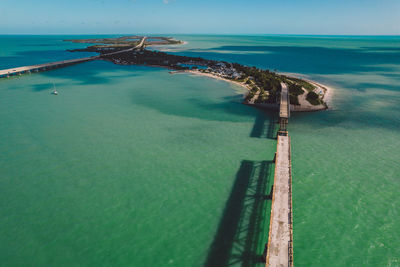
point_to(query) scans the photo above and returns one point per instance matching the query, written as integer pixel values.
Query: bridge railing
(290, 203)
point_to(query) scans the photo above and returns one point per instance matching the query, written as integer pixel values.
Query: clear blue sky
(358, 17)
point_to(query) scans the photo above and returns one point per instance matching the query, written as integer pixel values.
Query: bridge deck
(279, 251)
(284, 111)
(45, 65)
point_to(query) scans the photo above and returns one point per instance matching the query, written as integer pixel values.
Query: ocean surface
(133, 166)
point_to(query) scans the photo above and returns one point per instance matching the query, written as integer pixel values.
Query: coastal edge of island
(263, 86)
(304, 106)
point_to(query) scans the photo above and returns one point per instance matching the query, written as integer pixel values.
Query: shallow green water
(126, 166)
(132, 166)
(346, 160)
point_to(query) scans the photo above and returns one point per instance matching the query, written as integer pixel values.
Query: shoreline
(328, 90)
(327, 97)
(263, 86)
(210, 75)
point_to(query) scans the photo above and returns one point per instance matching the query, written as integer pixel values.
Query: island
(263, 86)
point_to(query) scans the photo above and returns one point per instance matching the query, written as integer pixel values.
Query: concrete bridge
(284, 108)
(280, 239)
(52, 65)
(42, 67)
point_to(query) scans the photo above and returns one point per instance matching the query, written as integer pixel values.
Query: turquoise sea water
(133, 166)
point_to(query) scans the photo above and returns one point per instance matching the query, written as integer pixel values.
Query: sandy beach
(305, 105)
(217, 77)
(328, 90)
(195, 72)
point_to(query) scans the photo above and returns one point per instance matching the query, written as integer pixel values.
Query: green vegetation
(263, 97)
(294, 100)
(268, 82)
(251, 93)
(155, 58)
(306, 85)
(294, 91)
(249, 96)
(122, 42)
(110, 42)
(313, 98)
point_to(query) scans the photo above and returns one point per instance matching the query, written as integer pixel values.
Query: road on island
(140, 45)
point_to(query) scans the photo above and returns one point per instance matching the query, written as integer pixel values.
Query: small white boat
(54, 92)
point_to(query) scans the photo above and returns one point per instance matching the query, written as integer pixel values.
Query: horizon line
(226, 34)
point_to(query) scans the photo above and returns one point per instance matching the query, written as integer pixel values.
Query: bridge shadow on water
(243, 229)
(265, 125)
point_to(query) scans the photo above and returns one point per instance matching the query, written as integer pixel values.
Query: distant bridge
(52, 65)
